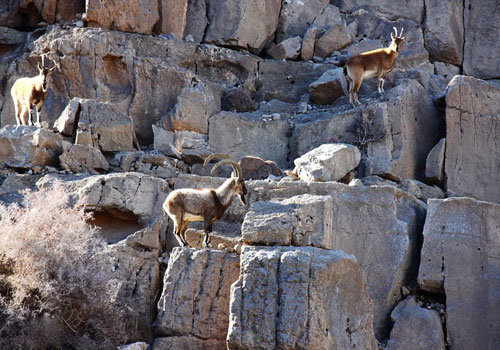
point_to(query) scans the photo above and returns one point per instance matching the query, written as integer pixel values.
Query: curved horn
(401, 33)
(395, 31)
(214, 155)
(43, 60)
(236, 167)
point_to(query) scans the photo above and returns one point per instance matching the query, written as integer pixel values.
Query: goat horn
(214, 155)
(395, 31)
(401, 33)
(236, 167)
(43, 60)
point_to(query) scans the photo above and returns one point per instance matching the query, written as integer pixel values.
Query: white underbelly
(369, 73)
(191, 217)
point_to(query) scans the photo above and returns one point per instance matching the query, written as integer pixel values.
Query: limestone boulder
(195, 297)
(246, 24)
(481, 61)
(472, 163)
(420, 190)
(459, 259)
(329, 87)
(66, 123)
(334, 39)
(300, 221)
(296, 16)
(288, 49)
(196, 20)
(248, 134)
(306, 298)
(328, 162)
(195, 105)
(110, 130)
(415, 328)
(28, 146)
(308, 42)
(434, 164)
(413, 11)
(392, 220)
(83, 159)
(132, 16)
(173, 17)
(444, 30)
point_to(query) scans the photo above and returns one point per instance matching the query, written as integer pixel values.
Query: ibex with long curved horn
(205, 204)
(29, 93)
(370, 64)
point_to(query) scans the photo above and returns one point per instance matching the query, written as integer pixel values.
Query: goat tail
(344, 82)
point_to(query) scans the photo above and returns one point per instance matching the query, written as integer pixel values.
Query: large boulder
(300, 221)
(328, 162)
(256, 168)
(83, 159)
(390, 226)
(329, 87)
(480, 60)
(150, 163)
(249, 134)
(460, 259)
(28, 146)
(415, 328)
(334, 39)
(110, 130)
(394, 135)
(66, 123)
(246, 24)
(386, 8)
(444, 30)
(173, 17)
(288, 49)
(299, 298)
(296, 16)
(472, 163)
(195, 297)
(138, 16)
(434, 164)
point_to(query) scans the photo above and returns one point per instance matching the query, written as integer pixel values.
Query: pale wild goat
(370, 64)
(28, 94)
(205, 204)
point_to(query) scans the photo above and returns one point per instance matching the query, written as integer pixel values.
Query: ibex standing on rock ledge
(29, 93)
(370, 64)
(205, 204)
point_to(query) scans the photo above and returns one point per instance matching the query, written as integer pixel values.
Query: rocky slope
(385, 209)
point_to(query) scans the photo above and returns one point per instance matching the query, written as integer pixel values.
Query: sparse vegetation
(53, 291)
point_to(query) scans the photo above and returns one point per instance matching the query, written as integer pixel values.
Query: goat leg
(207, 222)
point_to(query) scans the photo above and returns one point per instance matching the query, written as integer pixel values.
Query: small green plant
(53, 291)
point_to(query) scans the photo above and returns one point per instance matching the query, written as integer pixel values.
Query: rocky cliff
(374, 226)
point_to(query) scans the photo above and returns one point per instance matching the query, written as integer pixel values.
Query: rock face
(444, 30)
(415, 328)
(28, 146)
(460, 259)
(110, 130)
(328, 162)
(481, 61)
(299, 298)
(195, 298)
(434, 165)
(296, 16)
(247, 134)
(152, 163)
(288, 49)
(413, 11)
(300, 221)
(336, 38)
(246, 24)
(394, 136)
(472, 160)
(390, 225)
(138, 16)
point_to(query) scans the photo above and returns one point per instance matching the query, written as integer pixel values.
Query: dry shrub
(53, 292)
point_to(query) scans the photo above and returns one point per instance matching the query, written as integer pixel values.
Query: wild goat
(372, 63)
(29, 93)
(205, 204)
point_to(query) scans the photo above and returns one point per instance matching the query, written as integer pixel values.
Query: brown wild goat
(370, 64)
(29, 93)
(205, 204)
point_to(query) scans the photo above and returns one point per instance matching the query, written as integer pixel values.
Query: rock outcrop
(299, 298)
(460, 259)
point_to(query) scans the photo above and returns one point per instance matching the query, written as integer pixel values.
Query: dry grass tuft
(53, 292)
